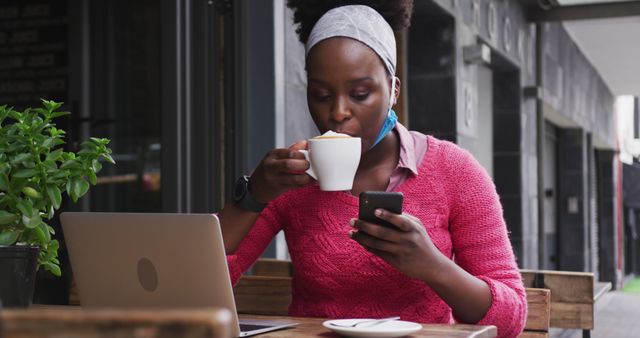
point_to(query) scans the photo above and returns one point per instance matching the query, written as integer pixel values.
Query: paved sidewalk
(617, 316)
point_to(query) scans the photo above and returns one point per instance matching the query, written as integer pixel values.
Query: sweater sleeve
(255, 242)
(481, 243)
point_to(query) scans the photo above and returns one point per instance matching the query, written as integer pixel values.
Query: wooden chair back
(538, 314)
(267, 291)
(272, 267)
(572, 296)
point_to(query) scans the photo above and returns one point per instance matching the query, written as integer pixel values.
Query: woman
(449, 259)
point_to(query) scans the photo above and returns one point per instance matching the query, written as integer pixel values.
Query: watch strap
(247, 202)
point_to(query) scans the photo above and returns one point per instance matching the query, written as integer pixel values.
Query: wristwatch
(242, 195)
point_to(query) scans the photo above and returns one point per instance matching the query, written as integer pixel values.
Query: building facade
(193, 93)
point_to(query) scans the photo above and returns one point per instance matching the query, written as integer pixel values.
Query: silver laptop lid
(149, 260)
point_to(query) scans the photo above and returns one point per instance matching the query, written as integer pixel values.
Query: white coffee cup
(334, 161)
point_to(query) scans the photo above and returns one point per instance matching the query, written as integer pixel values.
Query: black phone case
(372, 200)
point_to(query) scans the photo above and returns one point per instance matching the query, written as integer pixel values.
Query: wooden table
(312, 327)
(72, 321)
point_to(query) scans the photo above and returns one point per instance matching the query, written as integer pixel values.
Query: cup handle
(310, 170)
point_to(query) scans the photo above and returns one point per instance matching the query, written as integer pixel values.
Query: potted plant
(35, 172)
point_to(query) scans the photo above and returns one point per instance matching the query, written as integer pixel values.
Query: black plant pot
(18, 266)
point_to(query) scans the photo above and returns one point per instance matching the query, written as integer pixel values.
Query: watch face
(240, 189)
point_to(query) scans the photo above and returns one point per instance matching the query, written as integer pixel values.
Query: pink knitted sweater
(336, 278)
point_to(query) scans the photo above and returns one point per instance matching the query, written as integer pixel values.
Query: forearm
(235, 223)
(468, 296)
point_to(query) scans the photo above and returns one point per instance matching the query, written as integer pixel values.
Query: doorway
(484, 146)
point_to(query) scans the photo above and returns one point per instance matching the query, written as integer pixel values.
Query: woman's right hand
(280, 170)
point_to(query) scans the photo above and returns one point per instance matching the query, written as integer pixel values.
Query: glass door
(124, 104)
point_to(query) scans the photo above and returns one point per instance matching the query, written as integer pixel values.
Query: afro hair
(306, 13)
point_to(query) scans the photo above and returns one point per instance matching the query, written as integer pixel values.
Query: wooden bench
(573, 296)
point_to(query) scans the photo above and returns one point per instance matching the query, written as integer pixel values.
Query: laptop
(153, 260)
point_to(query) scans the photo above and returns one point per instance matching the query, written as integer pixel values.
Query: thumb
(299, 145)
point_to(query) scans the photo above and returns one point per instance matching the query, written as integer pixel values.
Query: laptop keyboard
(250, 327)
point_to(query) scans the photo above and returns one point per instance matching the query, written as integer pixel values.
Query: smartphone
(372, 200)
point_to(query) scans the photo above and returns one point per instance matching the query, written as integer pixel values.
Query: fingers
(373, 243)
(299, 145)
(286, 161)
(299, 180)
(378, 231)
(404, 222)
(280, 170)
(371, 235)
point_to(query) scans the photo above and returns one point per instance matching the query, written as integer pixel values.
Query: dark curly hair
(306, 13)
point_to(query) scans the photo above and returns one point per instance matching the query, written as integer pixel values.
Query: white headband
(361, 23)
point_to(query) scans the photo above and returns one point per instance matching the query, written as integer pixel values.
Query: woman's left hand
(407, 247)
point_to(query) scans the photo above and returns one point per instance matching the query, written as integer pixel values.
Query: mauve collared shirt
(413, 146)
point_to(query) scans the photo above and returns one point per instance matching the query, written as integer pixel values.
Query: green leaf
(53, 268)
(29, 164)
(33, 193)
(59, 174)
(8, 236)
(31, 221)
(50, 212)
(59, 113)
(80, 187)
(53, 246)
(25, 173)
(21, 158)
(15, 146)
(97, 166)
(50, 165)
(89, 144)
(4, 185)
(16, 115)
(51, 105)
(7, 217)
(54, 155)
(25, 207)
(45, 232)
(70, 190)
(55, 196)
(71, 163)
(108, 158)
(49, 142)
(40, 235)
(40, 111)
(4, 168)
(92, 177)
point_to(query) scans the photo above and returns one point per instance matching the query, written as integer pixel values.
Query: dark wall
(431, 73)
(508, 153)
(572, 195)
(605, 161)
(33, 52)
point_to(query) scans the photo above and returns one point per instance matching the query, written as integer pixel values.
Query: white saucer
(394, 328)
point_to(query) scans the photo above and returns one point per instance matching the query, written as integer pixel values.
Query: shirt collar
(407, 149)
